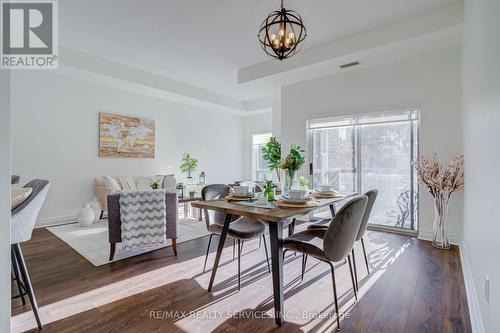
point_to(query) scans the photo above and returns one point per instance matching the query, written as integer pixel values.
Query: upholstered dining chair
(240, 229)
(333, 244)
(372, 196)
(23, 219)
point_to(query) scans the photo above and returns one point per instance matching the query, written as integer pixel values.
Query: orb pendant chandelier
(282, 33)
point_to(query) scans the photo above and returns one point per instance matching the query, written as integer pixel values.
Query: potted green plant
(291, 164)
(271, 153)
(188, 165)
(270, 190)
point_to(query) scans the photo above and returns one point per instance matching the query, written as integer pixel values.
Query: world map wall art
(126, 136)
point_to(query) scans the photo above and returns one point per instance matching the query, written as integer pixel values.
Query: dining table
(275, 218)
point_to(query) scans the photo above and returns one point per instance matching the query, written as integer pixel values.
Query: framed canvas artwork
(126, 136)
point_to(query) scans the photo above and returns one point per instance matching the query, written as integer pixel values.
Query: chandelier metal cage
(282, 33)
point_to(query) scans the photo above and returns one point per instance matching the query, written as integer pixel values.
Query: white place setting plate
(287, 199)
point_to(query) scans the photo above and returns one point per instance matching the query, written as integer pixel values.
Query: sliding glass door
(360, 153)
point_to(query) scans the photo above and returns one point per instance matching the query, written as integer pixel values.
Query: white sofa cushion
(128, 183)
(169, 183)
(111, 184)
(18, 195)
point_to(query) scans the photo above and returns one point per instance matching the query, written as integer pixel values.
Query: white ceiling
(203, 43)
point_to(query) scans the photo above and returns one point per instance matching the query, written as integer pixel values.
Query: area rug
(92, 242)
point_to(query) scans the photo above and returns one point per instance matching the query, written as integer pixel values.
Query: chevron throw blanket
(142, 214)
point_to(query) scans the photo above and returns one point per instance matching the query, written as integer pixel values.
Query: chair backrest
(341, 233)
(214, 192)
(254, 186)
(14, 179)
(23, 217)
(372, 196)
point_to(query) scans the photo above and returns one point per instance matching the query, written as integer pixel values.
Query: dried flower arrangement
(441, 181)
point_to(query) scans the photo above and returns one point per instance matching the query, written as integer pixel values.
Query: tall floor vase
(440, 228)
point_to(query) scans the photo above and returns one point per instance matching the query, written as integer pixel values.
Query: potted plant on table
(270, 190)
(271, 153)
(291, 164)
(188, 165)
(441, 182)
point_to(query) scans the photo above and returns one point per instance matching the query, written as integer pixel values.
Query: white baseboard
(53, 221)
(472, 298)
(454, 239)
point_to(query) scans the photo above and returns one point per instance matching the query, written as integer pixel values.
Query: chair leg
(208, 250)
(284, 252)
(239, 267)
(242, 245)
(26, 281)
(291, 228)
(364, 252)
(234, 242)
(260, 241)
(304, 263)
(355, 270)
(102, 214)
(174, 245)
(352, 278)
(335, 295)
(20, 287)
(267, 255)
(112, 249)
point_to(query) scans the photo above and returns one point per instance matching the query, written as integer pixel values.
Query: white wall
(432, 80)
(55, 135)
(482, 152)
(255, 124)
(5, 91)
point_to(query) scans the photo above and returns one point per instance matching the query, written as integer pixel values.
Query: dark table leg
(276, 235)
(332, 209)
(222, 239)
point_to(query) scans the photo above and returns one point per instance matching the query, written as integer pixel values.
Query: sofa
(167, 182)
(114, 220)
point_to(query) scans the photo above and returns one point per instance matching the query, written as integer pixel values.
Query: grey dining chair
(240, 229)
(372, 196)
(333, 244)
(22, 221)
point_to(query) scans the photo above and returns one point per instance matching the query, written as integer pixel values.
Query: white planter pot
(86, 215)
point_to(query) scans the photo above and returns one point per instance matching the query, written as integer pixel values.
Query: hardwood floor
(412, 288)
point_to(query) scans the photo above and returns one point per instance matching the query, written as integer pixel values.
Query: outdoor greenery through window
(363, 152)
(260, 170)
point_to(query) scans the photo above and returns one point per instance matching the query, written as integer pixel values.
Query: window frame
(255, 153)
(353, 120)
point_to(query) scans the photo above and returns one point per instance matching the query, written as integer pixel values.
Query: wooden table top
(271, 215)
(189, 199)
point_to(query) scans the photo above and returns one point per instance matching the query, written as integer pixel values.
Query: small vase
(440, 228)
(290, 180)
(270, 194)
(86, 215)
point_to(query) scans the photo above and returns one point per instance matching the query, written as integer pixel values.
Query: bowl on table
(240, 191)
(296, 196)
(326, 188)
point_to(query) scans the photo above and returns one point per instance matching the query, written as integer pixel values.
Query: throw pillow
(169, 183)
(143, 183)
(111, 184)
(127, 183)
(18, 195)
